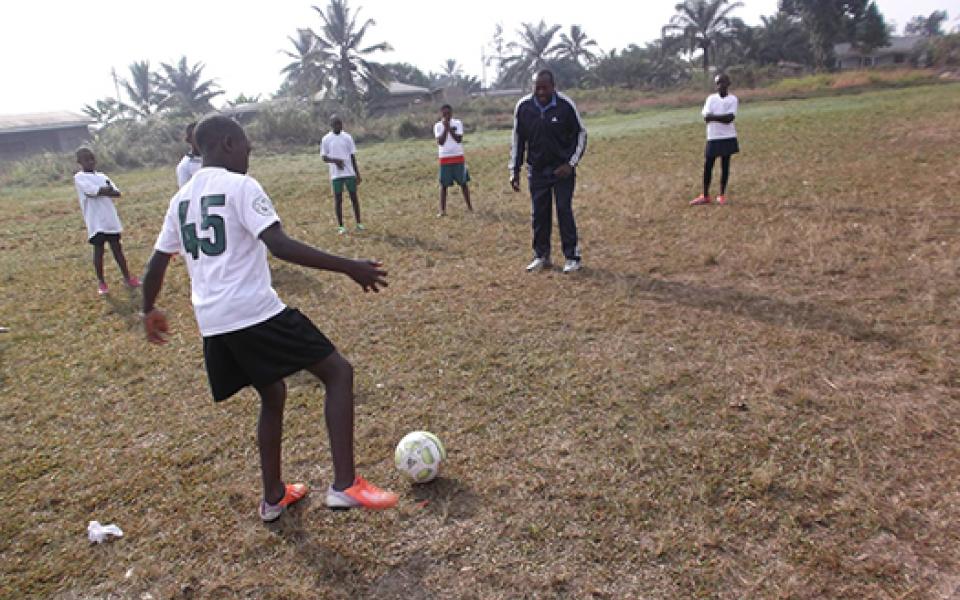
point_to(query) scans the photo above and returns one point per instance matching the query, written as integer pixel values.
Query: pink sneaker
(102, 289)
(701, 200)
(721, 199)
(133, 282)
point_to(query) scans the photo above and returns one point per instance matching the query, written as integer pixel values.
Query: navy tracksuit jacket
(550, 136)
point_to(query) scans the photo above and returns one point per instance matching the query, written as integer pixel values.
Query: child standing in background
(191, 161)
(719, 112)
(96, 194)
(338, 150)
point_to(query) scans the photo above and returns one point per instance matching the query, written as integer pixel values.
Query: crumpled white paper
(98, 533)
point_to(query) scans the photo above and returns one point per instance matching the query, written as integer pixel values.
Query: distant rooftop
(898, 44)
(395, 88)
(39, 121)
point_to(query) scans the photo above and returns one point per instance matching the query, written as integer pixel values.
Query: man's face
(445, 114)
(543, 89)
(87, 161)
(336, 125)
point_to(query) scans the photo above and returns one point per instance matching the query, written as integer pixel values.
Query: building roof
(898, 44)
(395, 88)
(42, 121)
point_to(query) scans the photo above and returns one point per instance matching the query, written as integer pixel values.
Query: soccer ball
(419, 455)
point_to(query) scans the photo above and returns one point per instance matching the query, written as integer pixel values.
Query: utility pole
(116, 87)
(483, 71)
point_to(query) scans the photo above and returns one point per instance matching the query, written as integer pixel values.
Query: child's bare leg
(443, 199)
(338, 207)
(466, 195)
(98, 261)
(336, 373)
(118, 256)
(270, 439)
(356, 206)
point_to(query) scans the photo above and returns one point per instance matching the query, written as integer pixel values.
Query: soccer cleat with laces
(362, 494)
(294, 493)
(722, 199)
(341, 230)
(133, 282)
(102, 289)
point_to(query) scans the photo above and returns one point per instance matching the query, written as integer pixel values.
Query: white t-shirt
(339, 146)
(223, 214)
(716, 105)
(189, 165)
(99, 213)
(450, 147)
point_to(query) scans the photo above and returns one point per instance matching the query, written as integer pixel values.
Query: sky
(58, 55)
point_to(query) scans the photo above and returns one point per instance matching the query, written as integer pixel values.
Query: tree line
(336, 61)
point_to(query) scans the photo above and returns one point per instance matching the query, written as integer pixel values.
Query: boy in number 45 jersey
(223, 223)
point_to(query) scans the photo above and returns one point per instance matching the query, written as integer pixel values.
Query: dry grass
(757, 401)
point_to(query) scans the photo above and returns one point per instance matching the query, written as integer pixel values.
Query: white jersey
(451, 148)
(214, 222)
(99, 213)
(188, 166)
(340, 146)
(715, 105)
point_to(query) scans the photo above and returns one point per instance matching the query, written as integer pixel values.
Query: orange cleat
(362, 494)
(701, 200)
(294, 493)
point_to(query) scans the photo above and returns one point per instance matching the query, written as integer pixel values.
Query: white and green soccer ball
(419, 456)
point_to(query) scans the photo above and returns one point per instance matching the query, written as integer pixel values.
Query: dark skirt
(724, 147)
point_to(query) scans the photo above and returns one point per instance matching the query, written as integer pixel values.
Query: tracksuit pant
(545, 187)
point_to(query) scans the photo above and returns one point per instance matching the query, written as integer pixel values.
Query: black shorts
(725, 147)
(264, 353)
(100, 238)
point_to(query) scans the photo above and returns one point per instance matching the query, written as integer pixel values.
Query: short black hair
(212, 129)
(446, 106)
(84, 150)
(546, 73)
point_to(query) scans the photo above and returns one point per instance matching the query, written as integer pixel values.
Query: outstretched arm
(367, 273)
(154, 321)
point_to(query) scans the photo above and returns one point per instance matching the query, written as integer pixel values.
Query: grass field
(755, 401)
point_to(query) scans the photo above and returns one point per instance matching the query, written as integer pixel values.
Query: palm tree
(185, 91)
(350, 68)
(143, 89)
(104, 111)
(700, 24)
(576, 46)
(530, 53)
(783, 38)
(450, 69)
(308, 73)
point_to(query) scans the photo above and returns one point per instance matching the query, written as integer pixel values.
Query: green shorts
(455, 173)
(349, 182)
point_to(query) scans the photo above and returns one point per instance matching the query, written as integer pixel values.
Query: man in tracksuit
(547, 125)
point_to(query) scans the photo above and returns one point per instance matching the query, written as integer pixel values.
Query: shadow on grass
(293, 280)
(413, 242)
(448, 498)
(126, 305)
(766, 309)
